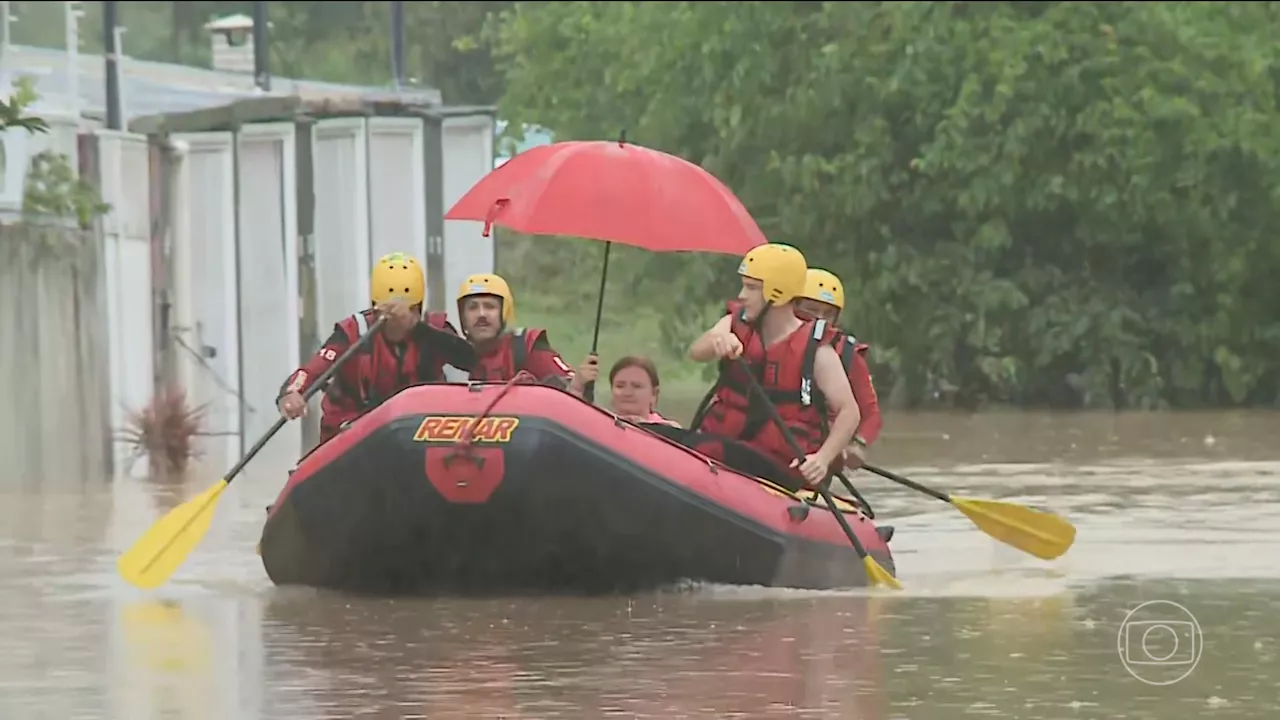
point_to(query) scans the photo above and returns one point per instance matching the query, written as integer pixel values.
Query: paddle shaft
(315, 388)
(800, 455)
(589, 390)
(888, 475)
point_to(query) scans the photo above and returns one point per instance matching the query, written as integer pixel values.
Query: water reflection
(1162, 512)
(167, 664)
(191, 659)
(664, 656)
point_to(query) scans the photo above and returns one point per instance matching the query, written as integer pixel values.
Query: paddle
(875, 573)
(1035, 532)
(162, 548)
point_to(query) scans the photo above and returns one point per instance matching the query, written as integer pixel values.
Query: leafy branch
(13, 109)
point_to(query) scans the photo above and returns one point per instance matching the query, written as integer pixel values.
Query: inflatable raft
(546, 493)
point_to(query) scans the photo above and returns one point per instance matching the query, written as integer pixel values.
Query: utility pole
(397, 43)
(111, 55)
(261, 47)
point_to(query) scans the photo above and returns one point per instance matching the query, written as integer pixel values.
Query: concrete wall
(53, 420)
(71, 304)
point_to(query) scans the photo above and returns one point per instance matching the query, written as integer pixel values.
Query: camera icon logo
(1160, 642)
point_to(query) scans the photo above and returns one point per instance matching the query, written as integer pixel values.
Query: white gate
(341, 234)
(206, 326)
(398, 213)
(268, 282)
(125, 182)
(468, 156)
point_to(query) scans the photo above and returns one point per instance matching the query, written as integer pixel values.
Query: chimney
(232, 43)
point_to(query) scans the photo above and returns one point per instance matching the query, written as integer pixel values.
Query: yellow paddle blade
(878, 575)
(1038, 533)
(159, 552)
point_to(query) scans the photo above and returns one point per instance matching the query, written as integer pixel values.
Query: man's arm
(451, 348)
(830, 376)
(864, 394)
(547, 364)
(301, 380)
(703, 349)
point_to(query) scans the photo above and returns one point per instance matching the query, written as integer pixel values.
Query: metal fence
(54, 414)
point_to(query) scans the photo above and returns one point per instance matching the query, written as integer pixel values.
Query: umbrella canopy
(612, 191)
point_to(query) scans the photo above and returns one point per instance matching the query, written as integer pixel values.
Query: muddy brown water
(1170, 509)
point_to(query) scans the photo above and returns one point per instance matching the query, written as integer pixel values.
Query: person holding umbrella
(793, 361)
(487, 310)
(823, 299)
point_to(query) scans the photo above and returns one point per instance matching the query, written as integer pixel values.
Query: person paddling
(405, 351)
(487, 311)
(792, 359)
(823, 299)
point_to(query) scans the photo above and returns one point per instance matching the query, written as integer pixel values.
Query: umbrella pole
(589, 392)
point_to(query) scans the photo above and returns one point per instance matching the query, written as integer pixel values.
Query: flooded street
(1180, 509)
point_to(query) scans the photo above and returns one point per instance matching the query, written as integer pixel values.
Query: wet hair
(636, 361)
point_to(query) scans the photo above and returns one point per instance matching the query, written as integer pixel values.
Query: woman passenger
(634, 397)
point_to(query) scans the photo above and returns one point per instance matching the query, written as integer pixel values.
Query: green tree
(1049, 203)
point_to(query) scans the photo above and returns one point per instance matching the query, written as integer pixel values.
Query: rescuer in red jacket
(407, 350)
(487, 310)
(792, 359)
(823, 299)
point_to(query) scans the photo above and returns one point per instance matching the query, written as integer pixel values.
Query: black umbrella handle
(589, 391)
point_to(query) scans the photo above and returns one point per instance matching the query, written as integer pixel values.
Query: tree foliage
(13, 109)
(1037, 203)
(1033, 203)
(333, 41)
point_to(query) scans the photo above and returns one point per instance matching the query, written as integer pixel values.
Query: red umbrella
(615, 192)
(612, 191)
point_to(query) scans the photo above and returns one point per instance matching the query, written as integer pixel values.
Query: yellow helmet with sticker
(397, 275)
(489, 284)
(824, 287)
(780, 268)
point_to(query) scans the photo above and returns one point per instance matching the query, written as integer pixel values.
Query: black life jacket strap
(519, 350)
(365, 390)
(848, 351)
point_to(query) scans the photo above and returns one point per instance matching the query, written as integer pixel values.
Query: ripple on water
(980, 629)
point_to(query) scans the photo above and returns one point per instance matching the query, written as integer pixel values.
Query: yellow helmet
(488, 284)
(781, 268)
(397, 275)
(823, 286)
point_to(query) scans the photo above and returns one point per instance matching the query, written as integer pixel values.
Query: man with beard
(487, 310)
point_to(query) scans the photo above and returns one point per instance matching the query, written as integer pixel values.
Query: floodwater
(1178, 509)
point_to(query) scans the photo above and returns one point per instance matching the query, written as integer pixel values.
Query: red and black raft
(547, 493)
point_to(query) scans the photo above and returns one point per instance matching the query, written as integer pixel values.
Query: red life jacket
(375, 372)
(785, 372)
(848, 348)
(510, 356)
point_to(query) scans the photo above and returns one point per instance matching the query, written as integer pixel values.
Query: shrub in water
(165, 431)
